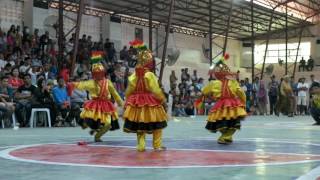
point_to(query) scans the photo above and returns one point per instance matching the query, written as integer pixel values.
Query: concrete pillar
(28, 14)
(105, 27)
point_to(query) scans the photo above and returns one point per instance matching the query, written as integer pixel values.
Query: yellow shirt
(94, 90)
(214, 88)
(151, 83)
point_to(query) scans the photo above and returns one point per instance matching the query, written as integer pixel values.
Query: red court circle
(111, 156)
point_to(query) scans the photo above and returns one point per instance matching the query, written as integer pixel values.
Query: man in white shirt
(302, 96)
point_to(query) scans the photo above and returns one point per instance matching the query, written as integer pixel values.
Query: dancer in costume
(144, 111)
(99, 113)
(230, 106)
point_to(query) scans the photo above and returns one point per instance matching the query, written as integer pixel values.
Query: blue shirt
(60, 95)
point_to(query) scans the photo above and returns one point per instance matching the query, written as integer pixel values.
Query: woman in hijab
(288, 96)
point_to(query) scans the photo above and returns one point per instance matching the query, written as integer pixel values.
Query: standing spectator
(111, 54)
(287, 95)
(89, 43)
(173, 80)
(238, 76)
(200, 84)
(62, 101)
(188, 77)
(124, 55)
(3, 42)
(107, 45)
(273, 94)
(18, 38)
(34, 72)
(23, 98)
(255, 89)
(302, 96)
(314, 83)
(315, 103)
(44, 41)
(11, 38)
(262, 99)
(248, 94)
(295, 92)
(183, 75)
(243, 86)
(194, 77)
(35, 41)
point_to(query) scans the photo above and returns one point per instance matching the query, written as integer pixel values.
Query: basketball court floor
(267, 147)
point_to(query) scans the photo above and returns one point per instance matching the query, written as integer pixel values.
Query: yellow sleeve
(237, 90)
(83, 85)
(212, 88)
(114, 93)
(153, 86)
(131, 85)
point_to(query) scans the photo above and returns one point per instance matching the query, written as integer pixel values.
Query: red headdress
(220, 69)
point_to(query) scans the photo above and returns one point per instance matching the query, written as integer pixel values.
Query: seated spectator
(2, 61)
(6, 95)
(7, 70)
(65, 72)
(43, 99)
(46, 74)
(26, 65)
(62, 102)
(23, 98)
(14, 81)
(189, 109)
(302, 64)
(77, 99)
(310, 64)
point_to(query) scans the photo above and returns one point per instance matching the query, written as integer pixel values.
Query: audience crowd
(34, 76)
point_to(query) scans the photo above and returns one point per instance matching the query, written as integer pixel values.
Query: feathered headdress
(220, 69)
(145, 58)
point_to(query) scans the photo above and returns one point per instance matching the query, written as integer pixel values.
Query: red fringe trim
(226, 103)
(103, 106)
(142, 99)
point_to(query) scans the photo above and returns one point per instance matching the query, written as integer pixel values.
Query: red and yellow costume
(144, 111)
(98, 113)
(229, 108)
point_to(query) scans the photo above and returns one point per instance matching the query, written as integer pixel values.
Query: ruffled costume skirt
(144, 113)
(226, 113)
(98, 113)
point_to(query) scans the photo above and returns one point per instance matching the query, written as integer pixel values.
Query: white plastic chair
(13, 117)
(34, 111)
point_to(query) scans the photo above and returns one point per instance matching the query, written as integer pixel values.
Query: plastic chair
(34, 111)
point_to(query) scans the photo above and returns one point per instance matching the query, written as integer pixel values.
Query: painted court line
(312, 175)
(6, 154)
